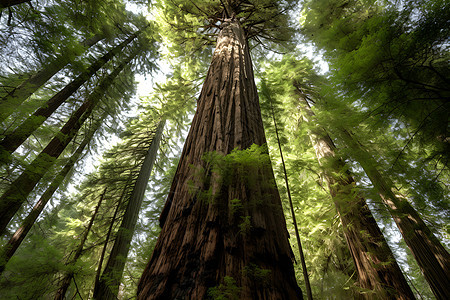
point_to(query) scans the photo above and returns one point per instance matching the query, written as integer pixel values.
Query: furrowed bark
(432, 258)
(13, 140)
(16, 194)
(65, 282)
(19, 94)
(374, 262)
(109, 283)
(205, 240)
(10, 248)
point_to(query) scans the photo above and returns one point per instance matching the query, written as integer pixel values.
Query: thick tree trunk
(67, 278)
(375, 264)
(12, 199)
(13, 140)
(10, 102)
(432, 258)
(223, 230)
(10, 248)
(108, 286)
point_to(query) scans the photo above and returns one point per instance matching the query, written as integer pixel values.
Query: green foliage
(226, 290)
(256, 274)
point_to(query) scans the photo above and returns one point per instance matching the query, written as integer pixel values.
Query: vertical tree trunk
(291, 205)
(108, 286)
(16, 194)
(10, 248)
(19, 94)
(67, 278)
(237, 236)
(375, 264)
(108, 235)
(13, 140)
(432, 258)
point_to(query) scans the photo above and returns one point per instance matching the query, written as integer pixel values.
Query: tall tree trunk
(432, 258)
(108, 235)
(291, 205)
(10, 102)
(13, 140)
(237, 236)
(16, 194)
(67, 278)
(375, 264)
(10, 248)
(108, 287)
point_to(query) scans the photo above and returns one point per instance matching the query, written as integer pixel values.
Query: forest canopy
(224, 149)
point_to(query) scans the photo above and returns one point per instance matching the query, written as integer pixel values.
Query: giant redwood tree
(223, 229)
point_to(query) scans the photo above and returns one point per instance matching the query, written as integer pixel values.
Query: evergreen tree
(225, 230)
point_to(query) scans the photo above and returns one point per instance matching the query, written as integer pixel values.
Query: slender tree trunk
(8, 3)
(65, 282)
(10, 248)
(108, 235)
(13, 140)
(235, 235)
(294, 220)
(375, 264)
(109, 283)
(10, 102)
(432, 258)
(12, 199)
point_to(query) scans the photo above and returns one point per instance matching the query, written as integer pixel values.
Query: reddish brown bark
(201, 241)
(375, 264)
(432, 258)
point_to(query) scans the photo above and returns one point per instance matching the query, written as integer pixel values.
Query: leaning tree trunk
(10, 102)
(16, 194)
(432, 258)
(14, 139)
(375, 264)
(219, 229)
(291, 205)
(10, 248)
(108, 285)
(67, 278)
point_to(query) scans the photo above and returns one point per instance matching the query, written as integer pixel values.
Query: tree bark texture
(67, 278)
(109, 283)
(374, 262)
(203, 242)
(13, 140)
(432, 258)
(16, 194)
(18, 95)
(10, 248)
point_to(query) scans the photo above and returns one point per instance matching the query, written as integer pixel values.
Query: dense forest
(224, 149)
